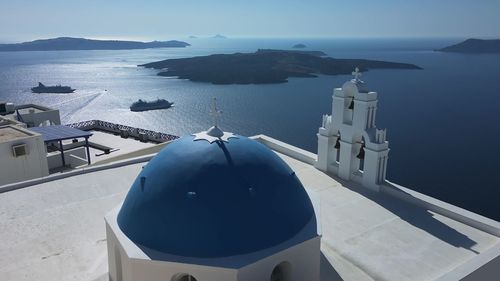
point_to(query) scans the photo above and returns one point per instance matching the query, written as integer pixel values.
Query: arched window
(183, 277)
(282, 272)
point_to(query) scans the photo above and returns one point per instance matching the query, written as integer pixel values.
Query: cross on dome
(357, 74)
(214, 133)
(215, 112)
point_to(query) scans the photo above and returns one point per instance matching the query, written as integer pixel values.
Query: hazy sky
(165, 19)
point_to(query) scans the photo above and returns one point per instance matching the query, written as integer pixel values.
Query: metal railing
(123, 130)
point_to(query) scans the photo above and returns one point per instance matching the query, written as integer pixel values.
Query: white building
(22, 155)
(174, 224)
(65, 147)
(214, 206)
(349, 144)
(35, 115)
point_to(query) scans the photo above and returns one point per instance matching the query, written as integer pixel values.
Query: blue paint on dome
(197, 199)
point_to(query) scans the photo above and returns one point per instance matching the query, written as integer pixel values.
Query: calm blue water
(442, 121)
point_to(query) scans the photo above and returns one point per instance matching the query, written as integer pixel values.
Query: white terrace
(53, 228)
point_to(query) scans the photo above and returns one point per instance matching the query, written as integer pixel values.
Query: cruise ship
(142, 105)
(58, 89)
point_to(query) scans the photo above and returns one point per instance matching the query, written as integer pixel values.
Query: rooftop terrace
(119, 146)
(55, 230)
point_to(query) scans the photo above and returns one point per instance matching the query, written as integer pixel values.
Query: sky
(165, 19)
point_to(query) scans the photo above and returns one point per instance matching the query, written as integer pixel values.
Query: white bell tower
(349, 144)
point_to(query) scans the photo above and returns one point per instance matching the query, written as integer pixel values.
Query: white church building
(349, 144)
(214, 206)
(217, 206)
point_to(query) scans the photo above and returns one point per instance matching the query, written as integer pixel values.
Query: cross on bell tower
(357, 74)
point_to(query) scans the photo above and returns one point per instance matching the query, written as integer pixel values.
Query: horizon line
(202, 37)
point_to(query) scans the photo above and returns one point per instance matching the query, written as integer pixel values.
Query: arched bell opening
(349, 110)
(351, 104)
(361, 155)
(337, 149)
(282, 272)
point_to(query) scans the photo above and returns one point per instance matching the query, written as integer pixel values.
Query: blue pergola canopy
(60, 132)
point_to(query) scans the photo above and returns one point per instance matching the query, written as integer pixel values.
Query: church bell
(361, 154)
(337, 144)
(351, 106)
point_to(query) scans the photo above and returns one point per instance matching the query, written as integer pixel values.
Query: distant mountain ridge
(70, 43)
(474, 46)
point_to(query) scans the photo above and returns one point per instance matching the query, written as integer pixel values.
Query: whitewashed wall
(30, 166)
(128, 263)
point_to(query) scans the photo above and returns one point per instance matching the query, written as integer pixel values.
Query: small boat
(141, 105)
(52, 89)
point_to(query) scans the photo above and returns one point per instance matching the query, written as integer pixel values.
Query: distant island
(313, 53)
(219, 36)
(263, 67)
(474, 46)
(69, 43)
(299, 46)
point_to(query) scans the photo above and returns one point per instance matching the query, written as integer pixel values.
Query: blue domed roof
(201, 199)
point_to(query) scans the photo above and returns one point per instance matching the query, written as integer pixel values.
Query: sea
(442, 121)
